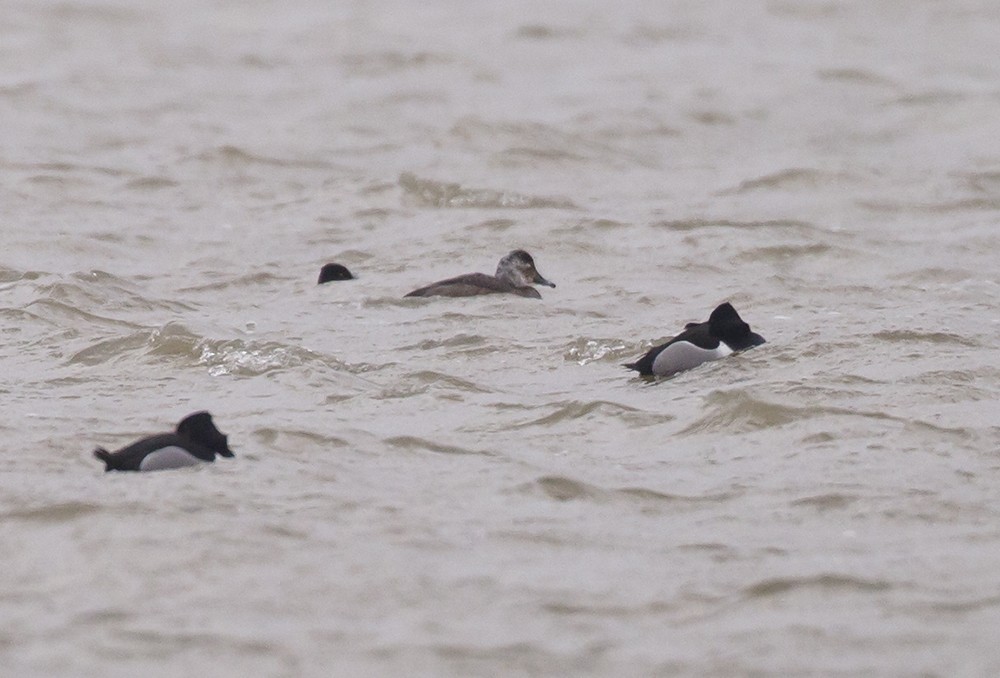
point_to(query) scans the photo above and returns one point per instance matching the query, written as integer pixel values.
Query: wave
(423, 381)
(780, 253)
(60, 314)
(776, 586)
(60, 512)
(429, 193)
(991, 203)
(229, 154)
(856, 76)
(173, 341)
(912, 336)
(572, 410)
(415, 443)
(699, 223)
(385, 62)
(583, 351)
(951, 606)
(88, 294)
(10, 275)
(826, 502)
(984, 182)
(620, 140)
(796, 178)
(562, 488)
(457, 341)
(737, 411)
(151, 183)
(274, 437)
(260, 278)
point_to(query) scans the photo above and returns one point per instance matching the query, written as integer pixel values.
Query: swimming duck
(515, 274)
(724, 333)
(331, 272)
(196, 440)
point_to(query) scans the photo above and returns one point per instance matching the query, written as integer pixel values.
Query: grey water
(476, 487)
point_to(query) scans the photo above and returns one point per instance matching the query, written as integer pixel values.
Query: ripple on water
(738, 411)
(960, 607)
(532, 144)
(239, 653)
(151, 183)
(417, 444)
(429, 193)
(9, 275)
(273, 437)
(86, 298)
(243, 282)
(984, 182)
(459, 341)
(912, 336)
(787, 253)
(235, 156)
(583, 351)
(236, 357)
(621, 611)
(855, 76)
(826, 502)
(386, 62)
(516, 658)
(53, 513)
(563, 488)
(67, 315)
(572, 410)
(425, 381)
(777, 586)
(805, 179)
(697, 224)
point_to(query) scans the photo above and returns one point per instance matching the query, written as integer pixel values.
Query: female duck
(515, 274)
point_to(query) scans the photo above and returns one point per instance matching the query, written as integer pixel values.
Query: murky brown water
(459, 487)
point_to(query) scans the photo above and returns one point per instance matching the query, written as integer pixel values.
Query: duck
(196, 440)
(516, 273)
(724, 333)
(331, 272)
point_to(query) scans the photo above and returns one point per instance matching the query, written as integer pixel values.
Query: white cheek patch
(682, 356)
(166, 458)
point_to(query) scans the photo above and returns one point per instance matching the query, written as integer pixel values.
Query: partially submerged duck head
(332, 272)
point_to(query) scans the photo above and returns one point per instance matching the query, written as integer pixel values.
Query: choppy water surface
(456, 487)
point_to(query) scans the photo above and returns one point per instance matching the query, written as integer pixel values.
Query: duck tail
(103, 455)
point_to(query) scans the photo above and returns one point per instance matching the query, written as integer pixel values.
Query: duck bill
(539, 280)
